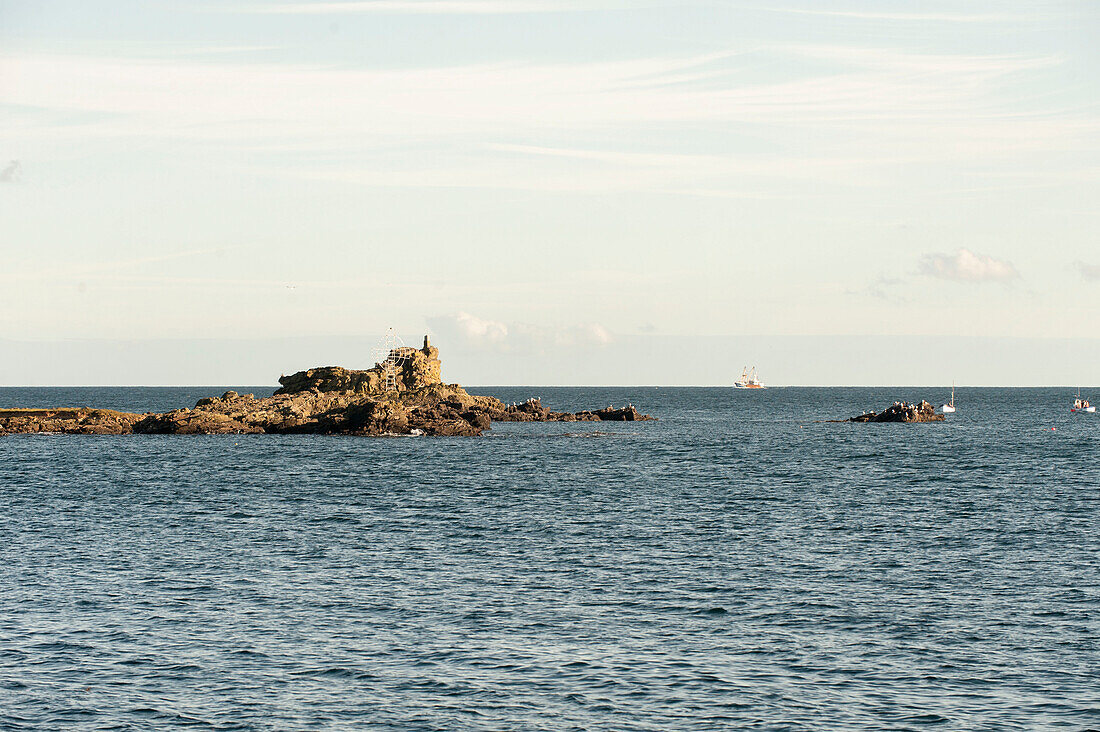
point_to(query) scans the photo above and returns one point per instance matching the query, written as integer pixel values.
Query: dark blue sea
(734, 565)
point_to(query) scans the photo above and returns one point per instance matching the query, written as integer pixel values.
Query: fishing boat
(949, 408)
(748, 380)
(1081, 405)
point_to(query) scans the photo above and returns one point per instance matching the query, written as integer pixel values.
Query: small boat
(949, 408)
(749, 380)
(1081, 405)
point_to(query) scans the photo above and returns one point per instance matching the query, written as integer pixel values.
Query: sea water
(735, 565)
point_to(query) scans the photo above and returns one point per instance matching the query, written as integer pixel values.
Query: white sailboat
(949, 408)
(749, 380)
(1081, 405)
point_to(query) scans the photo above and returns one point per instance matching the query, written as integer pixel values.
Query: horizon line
(581, 386)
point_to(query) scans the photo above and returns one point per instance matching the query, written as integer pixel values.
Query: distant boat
(749, 380)
(1082, 405)
(949, 408)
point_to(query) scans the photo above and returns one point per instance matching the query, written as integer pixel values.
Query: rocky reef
(81, 420)
(326, 400)
(901, 412)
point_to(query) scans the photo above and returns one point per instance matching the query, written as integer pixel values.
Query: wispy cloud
(114, 268)
(883, 58)
(966, 266)
(920, 17)
(903, 108)
(887, 289)
(434, 7)
(241, 101)
(217, 50)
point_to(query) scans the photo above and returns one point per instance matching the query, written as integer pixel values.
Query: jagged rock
(193, 422)
(376, 418)
(331, 378)
(902, 412)
(330, 400)
(479, 420)
(625, 414)
(421, 368)
(417, 369)
(529, 411)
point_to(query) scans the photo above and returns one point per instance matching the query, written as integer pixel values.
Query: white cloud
(476, 329)
(11, 172)
(476, 332)
(966, 266)
(1088, 271)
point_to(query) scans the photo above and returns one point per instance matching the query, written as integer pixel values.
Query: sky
(558, 191)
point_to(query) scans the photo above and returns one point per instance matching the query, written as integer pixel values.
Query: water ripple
(732, 566)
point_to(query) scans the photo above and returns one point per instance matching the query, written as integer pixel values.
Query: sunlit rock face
(415, 369)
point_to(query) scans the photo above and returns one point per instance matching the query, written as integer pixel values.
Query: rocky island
(326, 400)
(901, 412)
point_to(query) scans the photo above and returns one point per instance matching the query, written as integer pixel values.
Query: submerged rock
(325, 400)
(902, 412)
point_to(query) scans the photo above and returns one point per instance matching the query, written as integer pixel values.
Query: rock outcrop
(78, 421)
(902, 412)
(325, 400)
(416, 369)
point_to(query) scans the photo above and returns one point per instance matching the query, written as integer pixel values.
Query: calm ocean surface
(732, 566)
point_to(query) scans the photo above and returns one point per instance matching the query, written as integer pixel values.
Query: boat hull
(947, 409)
(1088, 410)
